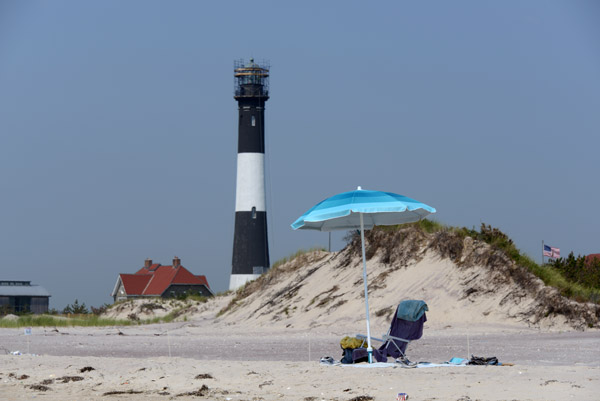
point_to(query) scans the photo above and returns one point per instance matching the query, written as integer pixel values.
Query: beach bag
(351, 342)
(481, 360)
(346, 356)
(348, 345)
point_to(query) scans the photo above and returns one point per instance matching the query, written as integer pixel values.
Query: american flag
(551, 252)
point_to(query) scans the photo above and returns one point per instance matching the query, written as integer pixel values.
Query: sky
(118, 127)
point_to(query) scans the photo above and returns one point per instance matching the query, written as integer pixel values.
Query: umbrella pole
(364, 259)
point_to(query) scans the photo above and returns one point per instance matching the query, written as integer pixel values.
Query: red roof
(155, 280)
(590, 258)
(134, 284)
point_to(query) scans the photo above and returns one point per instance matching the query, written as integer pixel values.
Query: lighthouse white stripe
(238, 280)
(250, 188)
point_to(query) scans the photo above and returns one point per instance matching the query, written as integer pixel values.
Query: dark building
(156, 280)
(250, 241)
(23, 297)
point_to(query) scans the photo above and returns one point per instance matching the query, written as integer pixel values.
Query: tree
(76, 308)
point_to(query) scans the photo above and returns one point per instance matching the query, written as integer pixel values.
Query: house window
(254, 212)
(253, 121)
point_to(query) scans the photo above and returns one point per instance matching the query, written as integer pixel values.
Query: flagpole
(542, 252)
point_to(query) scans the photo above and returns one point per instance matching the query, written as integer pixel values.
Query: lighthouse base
(238, 280)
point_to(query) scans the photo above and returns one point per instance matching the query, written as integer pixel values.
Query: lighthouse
(250, 241)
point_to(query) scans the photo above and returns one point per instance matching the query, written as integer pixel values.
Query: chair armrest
(386, 337)
(362, 336)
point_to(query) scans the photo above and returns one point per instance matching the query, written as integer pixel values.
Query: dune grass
(79, 321)
(294, 255)
(94, 320)
(197, 298)
(547, 273)
(550, 275)
(425, 225)
(62, 321)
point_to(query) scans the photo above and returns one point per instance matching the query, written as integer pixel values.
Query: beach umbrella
(362, 209)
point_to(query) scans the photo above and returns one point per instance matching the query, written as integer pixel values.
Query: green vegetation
(77, 314)
(85, 320)
(585, 273)
(425, 225)
(430, 226)
(76, 308)
(571, 276)
(567, 275)
(195, 297)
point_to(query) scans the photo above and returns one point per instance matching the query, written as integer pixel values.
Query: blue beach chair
(407, 325)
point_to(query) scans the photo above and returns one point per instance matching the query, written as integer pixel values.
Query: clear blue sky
(118, 127)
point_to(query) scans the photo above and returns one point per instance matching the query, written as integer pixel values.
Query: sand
(169, 361)
(173, 378)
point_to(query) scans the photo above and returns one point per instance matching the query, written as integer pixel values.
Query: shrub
(76, 309)
(578, 270)
(99, 310)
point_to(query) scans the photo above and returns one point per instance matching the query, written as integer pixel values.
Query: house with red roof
(592, 258)
(156, 280)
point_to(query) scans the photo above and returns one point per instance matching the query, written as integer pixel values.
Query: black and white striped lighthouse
(250, 241)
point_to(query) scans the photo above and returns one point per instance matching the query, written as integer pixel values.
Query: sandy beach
(221, 363)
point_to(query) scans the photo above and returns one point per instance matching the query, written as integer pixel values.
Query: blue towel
(411, 310)
(457, 361)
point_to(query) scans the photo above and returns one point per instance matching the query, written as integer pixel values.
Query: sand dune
(481, 287)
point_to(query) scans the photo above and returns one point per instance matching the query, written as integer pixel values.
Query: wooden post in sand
(468, 347)
(27, 333)
(169, 342)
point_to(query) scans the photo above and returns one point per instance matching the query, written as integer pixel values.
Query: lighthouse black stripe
(251, 132)
(250, 243)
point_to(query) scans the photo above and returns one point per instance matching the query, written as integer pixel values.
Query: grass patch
(425, 225)
(89, 320)
(198, 298)
(62, 321)
(296, 254)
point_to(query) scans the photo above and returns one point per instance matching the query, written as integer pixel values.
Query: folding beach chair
(406, 326)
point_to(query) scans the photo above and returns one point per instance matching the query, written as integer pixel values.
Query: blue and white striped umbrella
(362, 209)
(341, 211)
